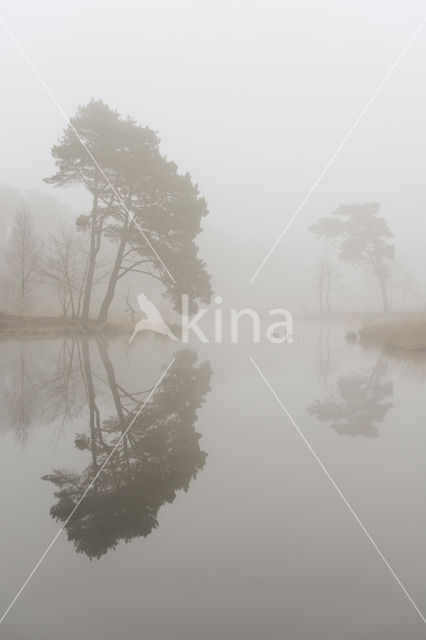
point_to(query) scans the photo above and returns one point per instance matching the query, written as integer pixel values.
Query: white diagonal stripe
(83, 144)
(333, 482)
(37, 565)
(338, 150)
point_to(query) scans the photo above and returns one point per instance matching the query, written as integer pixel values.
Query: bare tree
(328, 281)
(65, 267)
(22, 258)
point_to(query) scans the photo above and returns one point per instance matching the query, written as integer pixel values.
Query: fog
(260, 166)
(252, 99)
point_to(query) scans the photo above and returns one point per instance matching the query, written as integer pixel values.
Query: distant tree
(64, 265)
(22, 258)
(139, 201)
(362, 239)
(328, 281)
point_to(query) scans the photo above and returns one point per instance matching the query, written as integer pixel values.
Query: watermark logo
(152, 322)
(278, 331)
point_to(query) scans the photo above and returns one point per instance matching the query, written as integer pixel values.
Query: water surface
(212, 519)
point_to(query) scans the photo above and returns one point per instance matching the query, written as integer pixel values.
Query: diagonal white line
(84, 495)
(83, 144)
(338, 150)
(345, 501)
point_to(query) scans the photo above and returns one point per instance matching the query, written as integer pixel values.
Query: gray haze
(152, 486)
(252, 99)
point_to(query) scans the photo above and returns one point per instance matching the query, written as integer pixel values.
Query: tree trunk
(94, 248)
(85, 310)
(112, 283)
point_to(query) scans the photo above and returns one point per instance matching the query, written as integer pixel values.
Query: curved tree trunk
(93, 251)
(112, 282)
(89, 284)
(90, 391)
(116, 397)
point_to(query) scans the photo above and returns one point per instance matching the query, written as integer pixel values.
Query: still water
(212, 519)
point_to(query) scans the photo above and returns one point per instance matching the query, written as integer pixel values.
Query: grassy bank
(404, 335)
(20, 325)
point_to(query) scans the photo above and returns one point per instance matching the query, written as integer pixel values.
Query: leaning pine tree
(140, 202)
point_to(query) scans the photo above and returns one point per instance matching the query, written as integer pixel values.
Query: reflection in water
(159, 456)
(324, 354)
(412, 362)
(359, 402)
(34, 392)
(20, 394)
(62, 394)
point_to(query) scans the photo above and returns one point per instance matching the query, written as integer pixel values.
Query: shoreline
(407, 336)
(52, 327)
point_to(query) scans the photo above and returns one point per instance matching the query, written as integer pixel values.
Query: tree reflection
(360, 402)
(157, 457)
(324, 353)
(62, 394)
(39, 390)
(20, 392)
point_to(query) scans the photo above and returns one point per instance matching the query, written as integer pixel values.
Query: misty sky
(252, 98)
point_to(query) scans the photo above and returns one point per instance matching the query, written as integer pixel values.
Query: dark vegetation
(144, 218)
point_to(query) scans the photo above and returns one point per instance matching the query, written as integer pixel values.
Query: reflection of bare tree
(62, 394)
(358, 404)
(158, 457)
(20, 393)
(23, 259)
(35, 392)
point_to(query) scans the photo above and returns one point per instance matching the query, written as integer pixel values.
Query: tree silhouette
(35, 392)
(361, 236)
(20, 393)
(139, 201)
(157, 457)
(358, 404)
